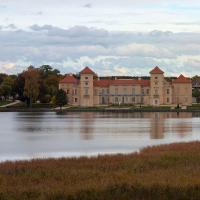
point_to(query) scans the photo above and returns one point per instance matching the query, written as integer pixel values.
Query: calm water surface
(39, 135)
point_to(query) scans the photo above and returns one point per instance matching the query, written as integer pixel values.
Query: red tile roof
(107, 83)
(182, 79)
(156, 70)
(87, 70)
(102, 83)
(69, 79)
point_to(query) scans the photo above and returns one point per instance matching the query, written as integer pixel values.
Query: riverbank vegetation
(35, 84)
(163, 172)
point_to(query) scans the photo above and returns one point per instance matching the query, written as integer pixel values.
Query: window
(116, 99)
(86, 83)
(86, 78)
(156, 77)
(103, 91)
(75, 100)
(156, 92)
(103, 100)
(147, 91)
(68, 91)
(167, 100)
(133, 99)
(167, 91)
(125, 90)
(142, 91)
(75, 91)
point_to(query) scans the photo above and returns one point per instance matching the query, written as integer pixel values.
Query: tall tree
(31, 87)
(61, 98)
(19, 86)
(6, 87)
(48, 83)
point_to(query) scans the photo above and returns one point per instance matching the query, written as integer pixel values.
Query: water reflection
(157, 126)
(90, 124)
(33, 134)
(86, 127)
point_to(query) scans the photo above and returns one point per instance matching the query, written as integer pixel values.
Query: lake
(25, 135)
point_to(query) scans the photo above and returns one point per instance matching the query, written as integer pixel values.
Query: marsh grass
(162, 172)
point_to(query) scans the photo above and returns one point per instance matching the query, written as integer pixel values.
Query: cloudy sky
(124, 37)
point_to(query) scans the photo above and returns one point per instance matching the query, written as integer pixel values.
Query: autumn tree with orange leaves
(31, 87)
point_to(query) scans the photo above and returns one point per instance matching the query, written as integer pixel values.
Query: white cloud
(107, 52)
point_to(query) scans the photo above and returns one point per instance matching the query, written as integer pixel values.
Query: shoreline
(118, 110)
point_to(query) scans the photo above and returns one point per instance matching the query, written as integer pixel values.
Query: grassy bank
(21, 107)
(165, 172)
(2, 103)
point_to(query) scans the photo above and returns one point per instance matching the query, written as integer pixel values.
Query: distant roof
(106, 83)
(69, 79)
(182, 79)
(102, 83)
(87, 70)
(156, 70)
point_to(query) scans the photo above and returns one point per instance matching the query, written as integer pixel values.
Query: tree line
(32, 85)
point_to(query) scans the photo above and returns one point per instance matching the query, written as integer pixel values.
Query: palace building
(89, 90)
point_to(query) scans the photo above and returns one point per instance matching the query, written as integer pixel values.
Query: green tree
(196, 94)
(19, 86)
(6, 87)
(61, 98)
(48, 83)
(31, 87)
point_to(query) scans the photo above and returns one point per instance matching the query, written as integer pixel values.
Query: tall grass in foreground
(164, 172)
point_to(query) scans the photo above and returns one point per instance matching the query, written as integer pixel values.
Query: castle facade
(88, 90)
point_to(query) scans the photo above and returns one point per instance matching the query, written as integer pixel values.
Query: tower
(86, 87)
(157, 87)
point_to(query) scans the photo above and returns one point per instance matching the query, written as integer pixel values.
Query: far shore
(98, 109)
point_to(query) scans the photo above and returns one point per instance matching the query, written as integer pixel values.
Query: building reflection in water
(159, 129)
(183, 128)
(87, 125)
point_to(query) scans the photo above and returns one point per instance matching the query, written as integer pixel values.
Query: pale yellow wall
(73, 92)
(157, 89)
(127, 94)
(96, 96)
(182, 93)
(168, 93)
(86, 84)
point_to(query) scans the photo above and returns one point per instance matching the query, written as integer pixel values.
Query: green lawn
(2, 103)
(166, 172)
